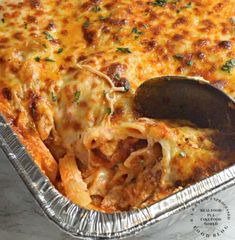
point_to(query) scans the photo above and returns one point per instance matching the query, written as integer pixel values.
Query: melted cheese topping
(68, 72)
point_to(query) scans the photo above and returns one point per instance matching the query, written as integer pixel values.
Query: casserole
(68, 74)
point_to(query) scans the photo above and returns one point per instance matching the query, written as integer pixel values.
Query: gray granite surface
(22, 219)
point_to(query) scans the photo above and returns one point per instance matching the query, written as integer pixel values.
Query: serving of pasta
(68, 74)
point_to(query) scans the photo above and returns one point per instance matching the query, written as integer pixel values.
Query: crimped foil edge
(89, 224)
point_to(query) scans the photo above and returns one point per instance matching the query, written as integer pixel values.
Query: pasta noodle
(75, 188)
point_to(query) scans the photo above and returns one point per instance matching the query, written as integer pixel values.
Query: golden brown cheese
(68, 72)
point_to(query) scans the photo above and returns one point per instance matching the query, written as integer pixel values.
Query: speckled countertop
(22, 219)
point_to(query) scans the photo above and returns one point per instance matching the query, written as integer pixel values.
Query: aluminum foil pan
(87, 224)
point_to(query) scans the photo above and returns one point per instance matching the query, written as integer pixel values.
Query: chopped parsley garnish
(161, 3)
(86, 24)
(123, 50)
(49, 60)
(136, 31)
(102, 18)
(108, 110)
(3, 20)
(96, 8)
(190, 63)
(189, 5)
(48, 36)
(53, 97)
(117, 76)
(178, 56)
(77, 95)
(104, 93)
(37, 59)
(182, 154)
(145, 25)
(25, 25)
(227, 67)
(60, 50)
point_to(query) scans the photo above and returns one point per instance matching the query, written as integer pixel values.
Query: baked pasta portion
(68, 75)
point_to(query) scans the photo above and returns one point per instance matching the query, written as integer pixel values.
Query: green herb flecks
(188, 5)
(96, 8)
(190, 63)
(123, 50)
(182, 154)
(145, 25)
(161, 3)
(117, 76)
(37, 59)
(86, 24)
(108, 110)
(53, 97)
(25, 25)
(48, 36)
(227, 67)
(77, 95)
(178, 56)
(60, 50)
(49, 60)
(136, 31)
(104, 93)
(102, 18)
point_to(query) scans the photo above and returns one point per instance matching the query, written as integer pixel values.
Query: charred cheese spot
(225, 45)
(34, 3)
(32, 19)
(115, 69)
(89, 35)
(6, 92)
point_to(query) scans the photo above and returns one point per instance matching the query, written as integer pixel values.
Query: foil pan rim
(90, 224)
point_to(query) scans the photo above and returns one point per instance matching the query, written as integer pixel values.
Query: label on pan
(211, 220)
